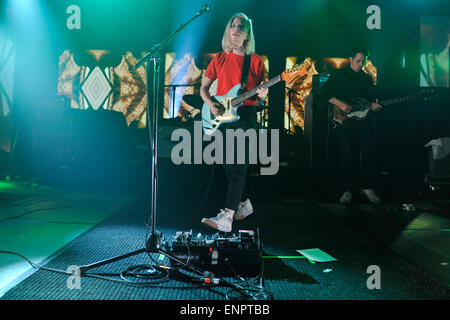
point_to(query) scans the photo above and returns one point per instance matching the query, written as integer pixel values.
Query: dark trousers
(237, 173)
(357, 154)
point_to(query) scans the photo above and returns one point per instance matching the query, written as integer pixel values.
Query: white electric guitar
(233, 99)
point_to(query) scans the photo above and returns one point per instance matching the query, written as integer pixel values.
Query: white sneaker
(244, 210)
(221, 222)
(346, 197)
(370, 194)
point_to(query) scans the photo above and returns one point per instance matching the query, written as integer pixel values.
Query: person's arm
(216, 108)
(376, 106)
(262, 93)
(341, 104)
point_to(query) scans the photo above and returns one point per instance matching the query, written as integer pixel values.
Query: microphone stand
(173, 88)
(153, 60)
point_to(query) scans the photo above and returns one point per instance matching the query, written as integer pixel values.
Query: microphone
(204, 9)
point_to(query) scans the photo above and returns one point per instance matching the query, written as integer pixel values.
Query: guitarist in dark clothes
(227, 68)
(356, 139)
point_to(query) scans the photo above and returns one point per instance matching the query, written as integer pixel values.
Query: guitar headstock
(290, 75)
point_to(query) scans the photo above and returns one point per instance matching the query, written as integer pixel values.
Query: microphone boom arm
(157, 47)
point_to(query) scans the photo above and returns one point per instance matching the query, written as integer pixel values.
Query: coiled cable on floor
(248, 290)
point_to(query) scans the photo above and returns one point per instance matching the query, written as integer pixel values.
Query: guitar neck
(397, 100)
(250, 93)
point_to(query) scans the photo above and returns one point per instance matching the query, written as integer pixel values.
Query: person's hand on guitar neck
(262, 93)
(375, 106)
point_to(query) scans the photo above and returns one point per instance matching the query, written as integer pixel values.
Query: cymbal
(193, 100)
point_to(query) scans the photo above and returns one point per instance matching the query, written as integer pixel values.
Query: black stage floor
(285, 224)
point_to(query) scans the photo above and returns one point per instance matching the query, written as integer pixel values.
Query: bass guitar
(361, 107)
(233, 99)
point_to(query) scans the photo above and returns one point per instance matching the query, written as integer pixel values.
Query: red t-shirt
(227, 68)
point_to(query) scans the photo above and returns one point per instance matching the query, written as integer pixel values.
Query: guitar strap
(245, 70)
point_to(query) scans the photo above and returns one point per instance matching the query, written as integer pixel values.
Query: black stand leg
(83, 269)
(199, 271)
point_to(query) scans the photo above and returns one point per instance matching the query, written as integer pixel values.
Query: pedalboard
(222, 254)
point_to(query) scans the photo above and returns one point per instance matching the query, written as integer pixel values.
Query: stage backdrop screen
(123, 89)
(434, 43)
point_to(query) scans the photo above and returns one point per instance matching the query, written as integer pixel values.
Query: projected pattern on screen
(295, 93)
(434, 57)
(120, 88)
(123, 89)
(182, 77)
(301, 88)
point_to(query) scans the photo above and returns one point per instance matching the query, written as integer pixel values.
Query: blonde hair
(249, 43)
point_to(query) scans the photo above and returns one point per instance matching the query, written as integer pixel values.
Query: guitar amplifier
(439, 162)
(223, 256)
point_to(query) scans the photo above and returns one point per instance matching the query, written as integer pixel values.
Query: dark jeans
(357, 154)
(237, 173)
